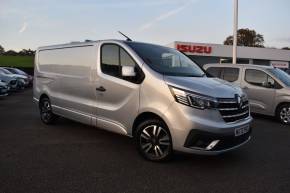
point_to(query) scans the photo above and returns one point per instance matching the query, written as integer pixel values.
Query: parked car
(153, 93)
(10, 80)
(268, 88)
(4, 89)
(20, 72)
(22, 81)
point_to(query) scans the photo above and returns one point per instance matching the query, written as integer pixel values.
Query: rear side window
(230, 74)
(214, 71)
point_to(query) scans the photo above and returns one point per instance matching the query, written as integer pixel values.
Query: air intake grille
(233, 110)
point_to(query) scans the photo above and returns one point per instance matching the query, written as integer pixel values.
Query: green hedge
(17, 61)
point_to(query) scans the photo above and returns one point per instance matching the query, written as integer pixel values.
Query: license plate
(241, 131)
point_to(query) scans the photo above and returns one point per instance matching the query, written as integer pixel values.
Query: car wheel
(46, 113)
(283, 114)
(153, 140)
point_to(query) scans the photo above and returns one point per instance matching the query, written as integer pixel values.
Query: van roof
(240, 65)
(86, 43)
(76, 43)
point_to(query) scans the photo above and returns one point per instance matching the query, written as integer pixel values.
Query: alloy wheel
(155, 142)
(285, 115)
(46, 112)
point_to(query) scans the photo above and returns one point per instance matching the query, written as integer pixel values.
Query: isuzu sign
(280, 64)
(194, 49)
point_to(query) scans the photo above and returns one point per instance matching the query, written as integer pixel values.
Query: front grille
(232, 111)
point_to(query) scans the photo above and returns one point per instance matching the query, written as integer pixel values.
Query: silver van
(268, 88)
(152, 93)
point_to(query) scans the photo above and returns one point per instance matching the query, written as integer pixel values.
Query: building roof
(219, 50)
(241, 65)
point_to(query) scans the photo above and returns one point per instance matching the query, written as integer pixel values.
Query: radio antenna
(127, 38)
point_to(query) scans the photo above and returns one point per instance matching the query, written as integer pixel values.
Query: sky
(32, 23)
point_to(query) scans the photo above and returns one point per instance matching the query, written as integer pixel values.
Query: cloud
(23, 28)
(164, 16)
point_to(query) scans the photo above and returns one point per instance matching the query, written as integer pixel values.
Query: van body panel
(216, 87)
(118, 106)
(68, 72)
(71, 76)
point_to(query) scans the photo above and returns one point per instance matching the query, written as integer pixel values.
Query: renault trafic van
(152, 93)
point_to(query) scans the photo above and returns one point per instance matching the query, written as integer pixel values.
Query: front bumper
(3, 92)
(211, 143)
(189, 127)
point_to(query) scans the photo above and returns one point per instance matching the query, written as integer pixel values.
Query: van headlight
(193, 99)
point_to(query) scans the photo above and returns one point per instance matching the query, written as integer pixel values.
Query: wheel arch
(279, 105)
(145, 116)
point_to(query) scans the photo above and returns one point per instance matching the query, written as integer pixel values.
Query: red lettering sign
(194, 49)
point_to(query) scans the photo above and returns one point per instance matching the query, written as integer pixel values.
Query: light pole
(236, 9)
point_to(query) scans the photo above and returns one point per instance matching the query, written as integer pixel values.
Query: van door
(117, 96)
(260, 88)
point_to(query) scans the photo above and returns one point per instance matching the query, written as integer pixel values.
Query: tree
(25, 52)
(247, 37)
(286, 48)
(10, 53)
(2, 51)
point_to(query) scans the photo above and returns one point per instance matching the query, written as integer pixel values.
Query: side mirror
(128, 71)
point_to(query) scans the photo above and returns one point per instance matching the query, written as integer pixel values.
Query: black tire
(153, 140)
(46, 114)
(283, 114)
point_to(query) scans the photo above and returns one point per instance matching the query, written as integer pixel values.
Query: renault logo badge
(239, 101)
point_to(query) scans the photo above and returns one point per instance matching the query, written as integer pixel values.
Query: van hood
(213, 87)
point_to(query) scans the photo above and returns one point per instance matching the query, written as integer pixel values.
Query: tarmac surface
(72, 157)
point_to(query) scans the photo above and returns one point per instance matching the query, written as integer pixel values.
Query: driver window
(113, 58)
(259, 78)
(125, 59)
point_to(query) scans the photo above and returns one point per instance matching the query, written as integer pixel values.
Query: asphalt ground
(72, 157)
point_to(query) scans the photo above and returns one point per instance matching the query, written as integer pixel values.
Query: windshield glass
(166, 61)
(3, 70)
(281, 75)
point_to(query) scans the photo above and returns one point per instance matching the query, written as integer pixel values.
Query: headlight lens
(193, 99)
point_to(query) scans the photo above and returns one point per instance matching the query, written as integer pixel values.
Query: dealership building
(217, 53)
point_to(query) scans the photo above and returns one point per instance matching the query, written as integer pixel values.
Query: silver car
(28, 78)
(268, 88)
(4, 89)
(152, 93)
(22, 80)
(10, 80)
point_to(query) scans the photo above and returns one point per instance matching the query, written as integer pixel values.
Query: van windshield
(281, 75)
(166, 61)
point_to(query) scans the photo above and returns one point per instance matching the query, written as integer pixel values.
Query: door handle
(101, 89)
